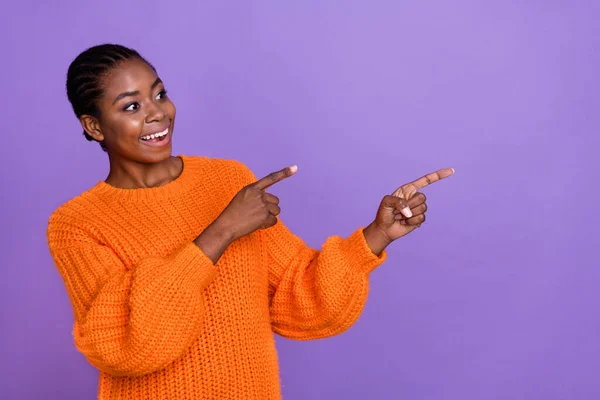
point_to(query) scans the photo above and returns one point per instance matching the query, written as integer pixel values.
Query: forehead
(128, 76)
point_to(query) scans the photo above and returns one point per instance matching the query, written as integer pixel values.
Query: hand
(402, 212)
(253, 208)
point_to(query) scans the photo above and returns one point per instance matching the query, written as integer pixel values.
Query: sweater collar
(177, 185)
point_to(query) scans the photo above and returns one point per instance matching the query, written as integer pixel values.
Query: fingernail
(407, 213)
(294, 168)
(452, 170)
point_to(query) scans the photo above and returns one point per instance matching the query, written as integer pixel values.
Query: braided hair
(84, 77)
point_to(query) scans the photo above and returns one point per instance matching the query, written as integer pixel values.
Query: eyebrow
(135, 93)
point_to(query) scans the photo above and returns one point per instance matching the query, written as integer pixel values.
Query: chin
(159, 148)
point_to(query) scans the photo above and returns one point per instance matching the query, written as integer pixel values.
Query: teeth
(155, 135)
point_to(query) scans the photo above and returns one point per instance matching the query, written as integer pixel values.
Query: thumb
(398, 205)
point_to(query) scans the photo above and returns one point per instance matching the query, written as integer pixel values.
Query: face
(136, 118)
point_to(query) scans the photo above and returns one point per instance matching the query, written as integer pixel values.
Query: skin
(134, 104)
(124, 119)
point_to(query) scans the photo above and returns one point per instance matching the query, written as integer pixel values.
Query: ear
(92, 127)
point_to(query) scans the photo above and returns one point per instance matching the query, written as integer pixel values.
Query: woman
(178, 269)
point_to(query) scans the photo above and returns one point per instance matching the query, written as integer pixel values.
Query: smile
(156, 137)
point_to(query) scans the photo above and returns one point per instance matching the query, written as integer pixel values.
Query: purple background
(496, 297)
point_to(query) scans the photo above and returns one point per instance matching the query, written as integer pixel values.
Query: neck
(128, 174)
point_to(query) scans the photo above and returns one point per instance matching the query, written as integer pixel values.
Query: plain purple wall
(496, 297)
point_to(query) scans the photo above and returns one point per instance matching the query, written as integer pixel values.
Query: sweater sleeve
(317, 294)
(314, 293)
(130, 321)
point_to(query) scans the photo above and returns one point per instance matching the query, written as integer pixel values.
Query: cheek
(126, 126)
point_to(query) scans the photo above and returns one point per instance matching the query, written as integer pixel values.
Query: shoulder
(73, 219)
(74, 208)
(225, 171)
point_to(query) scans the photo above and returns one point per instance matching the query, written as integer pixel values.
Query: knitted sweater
(160, 321)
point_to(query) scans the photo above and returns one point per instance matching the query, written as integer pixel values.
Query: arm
(131, 322)
(317, 294)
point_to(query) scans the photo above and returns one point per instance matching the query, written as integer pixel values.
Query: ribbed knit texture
(160, 321)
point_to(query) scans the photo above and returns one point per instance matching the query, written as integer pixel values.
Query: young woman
(178, 269)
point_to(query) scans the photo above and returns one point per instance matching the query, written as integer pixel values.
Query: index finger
(410, 189)
(431, 178)
(275, 177)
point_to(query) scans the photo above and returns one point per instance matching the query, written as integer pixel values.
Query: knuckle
(251, 189)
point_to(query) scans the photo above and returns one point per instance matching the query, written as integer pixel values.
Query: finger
(421, 209)
(416, 220)
(414, 201)
(269, 198)
(398, 204)
(271, 221)
(275, 177)
(274, 209)
(417, 200)
(409, 189)
(431, 178)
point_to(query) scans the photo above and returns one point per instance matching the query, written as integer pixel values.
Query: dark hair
(84, 78)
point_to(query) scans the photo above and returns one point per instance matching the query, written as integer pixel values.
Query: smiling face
(135, 117)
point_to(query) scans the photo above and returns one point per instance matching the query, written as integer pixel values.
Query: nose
(155, 113)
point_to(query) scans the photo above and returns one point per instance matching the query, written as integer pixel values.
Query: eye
(162, 94)
(131, 107)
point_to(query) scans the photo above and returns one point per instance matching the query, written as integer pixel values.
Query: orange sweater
(160, 321)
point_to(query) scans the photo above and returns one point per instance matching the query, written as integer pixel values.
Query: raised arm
(317, 294)
(320, 293)
(313, 294)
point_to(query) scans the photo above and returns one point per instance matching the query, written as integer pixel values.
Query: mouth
(157, 139)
